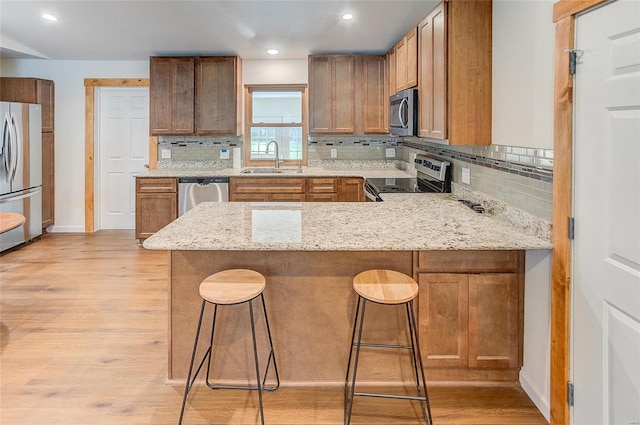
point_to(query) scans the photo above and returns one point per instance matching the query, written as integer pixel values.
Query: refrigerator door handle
(15, 148)
(5, 148)
(26, 194)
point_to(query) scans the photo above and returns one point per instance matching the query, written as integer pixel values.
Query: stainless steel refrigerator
(21, 170)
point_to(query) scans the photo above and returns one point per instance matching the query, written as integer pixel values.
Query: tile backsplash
(520, 177)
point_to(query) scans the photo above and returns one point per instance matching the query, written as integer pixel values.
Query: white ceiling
(135, 30)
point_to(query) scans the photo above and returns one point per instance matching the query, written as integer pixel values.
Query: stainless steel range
(433, 176)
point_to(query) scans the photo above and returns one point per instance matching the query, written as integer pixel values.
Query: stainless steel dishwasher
(193, 190)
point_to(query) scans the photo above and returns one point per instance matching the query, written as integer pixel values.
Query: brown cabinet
(406, 61)
(218, 95)
(322, 189)
(296, 189)
(195, 95)
(391, 67)
(372, 98)
(257, 189)
(35, 90)
(156, 204)
(470, 309)
(455, 73)
(351, 190)
(348, 94)
(171, 95)
(331, 94)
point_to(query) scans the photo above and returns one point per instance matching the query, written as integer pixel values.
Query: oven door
(370, 192)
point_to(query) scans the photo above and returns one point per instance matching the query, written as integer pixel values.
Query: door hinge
(574, 55)
(571, 228)
(570, 393)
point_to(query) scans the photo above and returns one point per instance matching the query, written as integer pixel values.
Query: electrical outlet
(334, 153)
(166, 153)
(224, 153)
(390, 152)
(466, 175)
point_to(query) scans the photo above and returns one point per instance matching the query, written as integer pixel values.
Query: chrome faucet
(277, 164)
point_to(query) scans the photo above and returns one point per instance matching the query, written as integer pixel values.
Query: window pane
(277, 107)
(289, 142)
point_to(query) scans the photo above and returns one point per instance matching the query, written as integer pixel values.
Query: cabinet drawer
(322, 197)
(469, 261)
(153, 185)
(267, 185)
(322, 185)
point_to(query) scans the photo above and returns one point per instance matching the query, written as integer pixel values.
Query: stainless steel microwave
(403, 113)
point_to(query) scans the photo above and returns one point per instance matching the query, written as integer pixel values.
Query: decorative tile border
(471, 155)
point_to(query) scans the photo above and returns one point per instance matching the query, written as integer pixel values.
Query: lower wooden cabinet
(156, 204)
(48, 179)
(296, 189)
(351, 189)
(471, 317)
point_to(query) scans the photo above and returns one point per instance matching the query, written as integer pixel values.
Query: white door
(606, 273)
(123, 139)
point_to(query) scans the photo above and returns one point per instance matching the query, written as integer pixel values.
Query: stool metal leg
(189, 382)
(355, 364)
(346, 379)
(255, 356)
(426, 407)
(272, 354)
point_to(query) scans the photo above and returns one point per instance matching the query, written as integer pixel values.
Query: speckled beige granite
(402, 222)
(287, 171)
(519, 218)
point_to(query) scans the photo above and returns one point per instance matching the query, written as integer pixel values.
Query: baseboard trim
(538, 398)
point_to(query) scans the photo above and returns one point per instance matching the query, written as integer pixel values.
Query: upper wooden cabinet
(31, 90)
(455, 73)
(371, 95)
(406, 62)
(331, 94)
(218, 95)
(347, 94)
(195, 95)
(171, 95)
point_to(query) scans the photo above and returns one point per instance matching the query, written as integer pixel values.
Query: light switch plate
(334, 153)
(390, 152)
(224, 153)
(166, 153)
(466, 175)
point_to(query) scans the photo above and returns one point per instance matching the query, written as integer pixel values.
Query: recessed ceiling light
(49, 17)
(347, 16)
(273, 51)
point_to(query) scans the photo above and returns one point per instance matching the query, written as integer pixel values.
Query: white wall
(293, 71)
(69, 123)
(523, 58)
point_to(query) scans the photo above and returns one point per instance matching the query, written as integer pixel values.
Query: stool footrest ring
(396, 396)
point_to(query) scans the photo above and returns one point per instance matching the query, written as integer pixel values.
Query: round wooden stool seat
(232, 286)
(385, 286)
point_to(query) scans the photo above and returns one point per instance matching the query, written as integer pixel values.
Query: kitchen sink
(271, 171)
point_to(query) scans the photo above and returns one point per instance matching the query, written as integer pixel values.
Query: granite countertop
(403, 222)
(288, 172)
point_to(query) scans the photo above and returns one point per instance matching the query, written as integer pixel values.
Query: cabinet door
(433, 72)
(217, 95)
(48, 182)
(154, 211)
(443, 311)
(171, 94)
(351, 190)
(373, 102)
(494, 320)
(393, 86)
(411, 42)
(401, 65)
(319, 94)
(343, 82)
(45, 95)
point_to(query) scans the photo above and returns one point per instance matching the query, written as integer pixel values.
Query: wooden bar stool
(230, 287)
(391, 288)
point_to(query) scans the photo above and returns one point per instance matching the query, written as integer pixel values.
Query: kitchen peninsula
(470, 268)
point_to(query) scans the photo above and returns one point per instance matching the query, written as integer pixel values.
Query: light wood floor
(83, 322)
